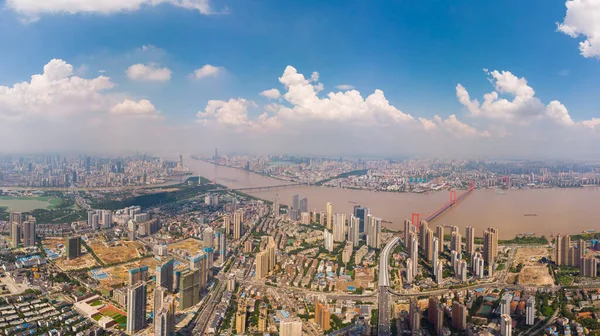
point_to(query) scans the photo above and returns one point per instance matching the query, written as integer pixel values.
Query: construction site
(116, 252)
(530, 271)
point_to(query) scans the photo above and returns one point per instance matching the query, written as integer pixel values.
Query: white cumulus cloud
(207, 71)
(453, 126)
(271, 93)
(34, 8)
(141, 108)
(302, 95)
(524, 108)
(583, 19)
(233, 112)
(55, 92)
(151, 72)
(344, 87)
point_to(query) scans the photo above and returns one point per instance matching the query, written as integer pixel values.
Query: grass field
(119, 316)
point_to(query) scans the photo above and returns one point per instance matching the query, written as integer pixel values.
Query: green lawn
(120, 319)
(97, 317)
(96, 303)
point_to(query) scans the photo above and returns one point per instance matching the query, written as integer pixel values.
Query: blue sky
(416, 52)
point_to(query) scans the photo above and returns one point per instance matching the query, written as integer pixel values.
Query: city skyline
(121, 90)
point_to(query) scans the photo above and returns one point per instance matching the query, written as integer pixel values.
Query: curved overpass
(384, 275)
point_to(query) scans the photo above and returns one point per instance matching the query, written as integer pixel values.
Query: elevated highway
(383, 326)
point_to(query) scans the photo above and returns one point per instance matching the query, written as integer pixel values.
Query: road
(383, 326)
(205, 315)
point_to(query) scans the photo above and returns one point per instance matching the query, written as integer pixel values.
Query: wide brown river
(558, 210)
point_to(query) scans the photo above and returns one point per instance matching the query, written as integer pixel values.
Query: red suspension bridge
(454, 199)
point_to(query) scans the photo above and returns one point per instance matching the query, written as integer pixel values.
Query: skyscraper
(456, 242)
(136, 307)
(361, 213)
(189, 288)
(29, 232)
(276, 206)
(435, 254)
(407, 231)
(530, 311)
(414, 317)
(505, 304)
(164, 317)
(589, 267)
(505, 325)
(238, 224)
(429, 245)
(435, 314)
(328, 240)
(164, 275)
(15, 234)
(490, 245)
(262, 264)
(15, 217)
(409, 271)
(423, 234)
(290, 327)
(227, 224)
(414, 252)
(303, 204)
(222, 246)
(137, 274)
(106, 219)
(566, 250)
(240, 317)
(439, 274)
(470, 235)
(439, 230)
(73, 247)
(339, 228)
(322, 315)
(373, 225)
(329, 218)
(262, 318)
(296, 203)
(558, 252)
(459, 316)
(208, 237)
(353, 233)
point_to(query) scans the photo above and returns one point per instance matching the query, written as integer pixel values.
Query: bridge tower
(453, 196)
(416, 221)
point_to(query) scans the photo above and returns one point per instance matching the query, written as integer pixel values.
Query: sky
(487, 79)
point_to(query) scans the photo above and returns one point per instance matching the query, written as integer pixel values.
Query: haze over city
(511, 80)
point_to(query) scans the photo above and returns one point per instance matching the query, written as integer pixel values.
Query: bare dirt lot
(536, 276)
(532, 272)
(192, 246)
(52, 243)
(116, 252)
(119, 274)
(85, 261)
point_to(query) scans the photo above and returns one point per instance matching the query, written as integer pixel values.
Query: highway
(383, 326)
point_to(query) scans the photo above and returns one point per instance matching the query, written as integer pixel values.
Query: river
(558, 210)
